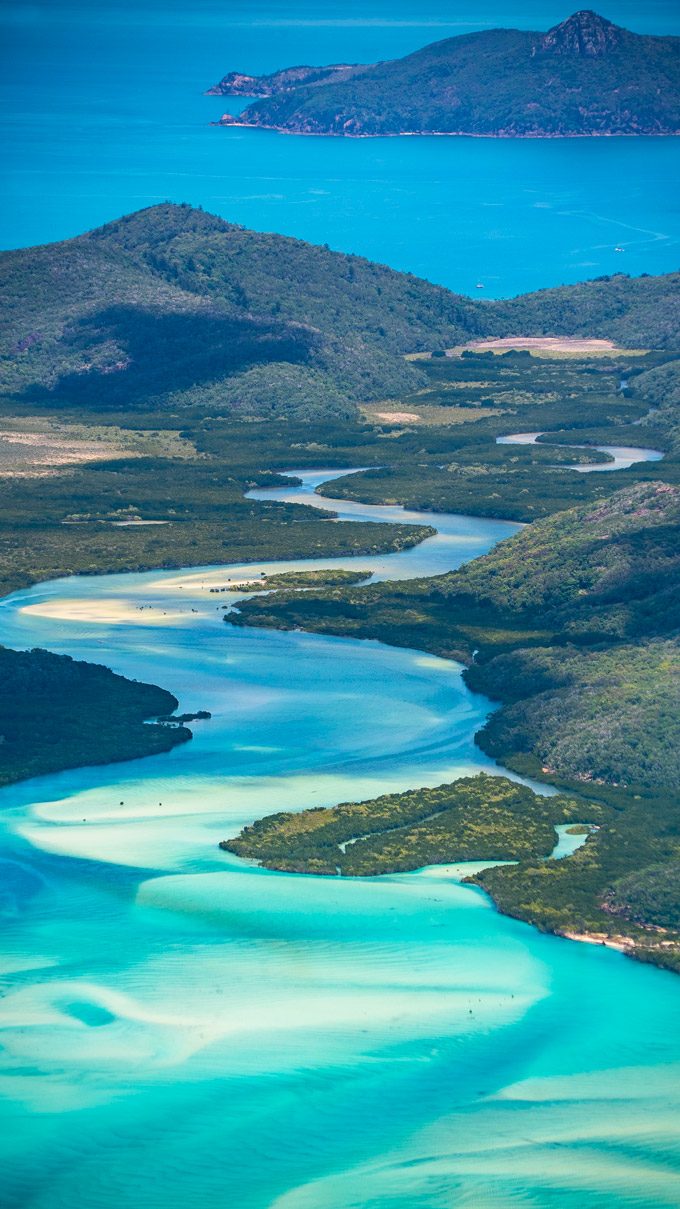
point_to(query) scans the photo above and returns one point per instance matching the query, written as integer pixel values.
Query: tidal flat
(178, 1002)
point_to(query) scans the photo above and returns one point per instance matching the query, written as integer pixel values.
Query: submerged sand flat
(105, 612)
(184, 1028)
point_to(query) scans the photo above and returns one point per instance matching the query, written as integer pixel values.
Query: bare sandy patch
(398, 417)
(208, 581)
(431, 415)
(623, 944)
(32, 446)
(136, 520)
(574, 346)
(105, 612)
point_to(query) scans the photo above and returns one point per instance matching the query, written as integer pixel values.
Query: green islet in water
(180, 1028)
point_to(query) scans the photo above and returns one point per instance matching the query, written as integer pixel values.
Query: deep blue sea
(104, 113)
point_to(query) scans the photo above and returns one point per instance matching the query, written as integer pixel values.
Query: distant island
(585, 76)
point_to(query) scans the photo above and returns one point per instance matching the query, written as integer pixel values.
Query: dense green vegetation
(650, 896)
(236, 84)
(660, 388)
(637, 312)
(57, 713)
(476, 818)
(573, 624)
(585, 76)
(174, 309)
(598, 716)
(325, 578)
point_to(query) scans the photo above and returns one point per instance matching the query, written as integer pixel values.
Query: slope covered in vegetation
(57, 713)
(171, 308)
(584, 76)
(572, 626)
(174, 307)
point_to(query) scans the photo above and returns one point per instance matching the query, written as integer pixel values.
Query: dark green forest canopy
(572, 627)
(475, 818)
(650, 895)
(574, 622)
(57, 713)
(174, 309)
(584, 76)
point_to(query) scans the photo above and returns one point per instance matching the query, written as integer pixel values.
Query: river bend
(182, 1028)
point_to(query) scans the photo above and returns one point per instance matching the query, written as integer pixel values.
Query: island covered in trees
(57, 713)
(476, 818)
(585, 76)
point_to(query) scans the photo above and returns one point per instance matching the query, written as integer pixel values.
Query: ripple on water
(199, 1031)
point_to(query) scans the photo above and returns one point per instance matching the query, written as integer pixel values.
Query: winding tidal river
(182, 1029)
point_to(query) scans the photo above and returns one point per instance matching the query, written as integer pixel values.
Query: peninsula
(585, 76)
(58, 713)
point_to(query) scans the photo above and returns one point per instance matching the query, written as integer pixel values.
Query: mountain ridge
(584, 77)
(173, 307)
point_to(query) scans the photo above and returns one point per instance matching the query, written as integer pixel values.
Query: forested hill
(585, 76)
(574, 625)
(173, 306)
(170, 307)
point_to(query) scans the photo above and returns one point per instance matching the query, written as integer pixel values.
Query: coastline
(454, 134)
(642, 947)
(649, 955)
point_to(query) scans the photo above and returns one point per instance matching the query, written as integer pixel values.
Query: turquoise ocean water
(180, 1028)
(104, 113)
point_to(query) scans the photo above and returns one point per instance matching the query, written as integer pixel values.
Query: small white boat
(479, 286)
(619, 249)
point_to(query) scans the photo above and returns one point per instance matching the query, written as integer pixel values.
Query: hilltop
(170, 307)
(585, 76)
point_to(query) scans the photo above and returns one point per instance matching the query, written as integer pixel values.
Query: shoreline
(622, 944)
(615, 942)
(454, 134)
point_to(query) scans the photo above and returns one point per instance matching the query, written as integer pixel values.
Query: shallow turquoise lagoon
(104, 113)
(180, 1028)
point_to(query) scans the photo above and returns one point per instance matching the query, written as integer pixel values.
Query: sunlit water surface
(105, 113)
(620, 456)
(180, 1028)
